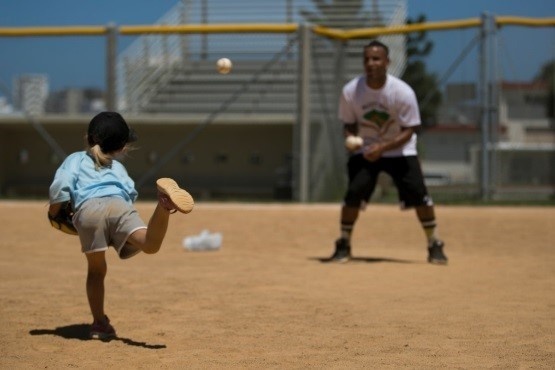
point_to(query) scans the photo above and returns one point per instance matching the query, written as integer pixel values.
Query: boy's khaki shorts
(107, 222)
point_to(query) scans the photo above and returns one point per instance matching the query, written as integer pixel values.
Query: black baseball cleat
(342, 251)
(435, 253)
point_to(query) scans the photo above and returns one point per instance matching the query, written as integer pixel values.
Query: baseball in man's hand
(353, 143)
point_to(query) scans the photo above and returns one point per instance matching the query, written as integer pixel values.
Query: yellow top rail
(270, 28)
(521, 21)
(408, 28)
(53, 31)
(209, 28)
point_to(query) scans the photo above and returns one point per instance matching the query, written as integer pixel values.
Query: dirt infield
(266, 300)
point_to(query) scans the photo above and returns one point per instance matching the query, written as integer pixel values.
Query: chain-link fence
(269, 129)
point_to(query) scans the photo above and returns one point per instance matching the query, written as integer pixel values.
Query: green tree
(424, 83)
(547, 75)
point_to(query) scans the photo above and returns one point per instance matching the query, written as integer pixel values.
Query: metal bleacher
(173, 76)
(176, 74)
(197, 88)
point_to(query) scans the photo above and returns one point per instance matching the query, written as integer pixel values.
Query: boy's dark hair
(378, 44)
(110, 131)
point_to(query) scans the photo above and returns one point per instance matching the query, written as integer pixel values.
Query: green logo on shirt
(378, 117)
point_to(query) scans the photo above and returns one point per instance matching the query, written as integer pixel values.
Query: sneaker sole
(102, 336)
(181, 198)
(340, 260)
(437, 262)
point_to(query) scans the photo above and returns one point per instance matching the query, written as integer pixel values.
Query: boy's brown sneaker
(181, 199)
(102, 330)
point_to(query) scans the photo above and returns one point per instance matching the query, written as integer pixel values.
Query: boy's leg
(95, 283)
(100, 328)
(150, 240)
(157, 227)
(171, 198)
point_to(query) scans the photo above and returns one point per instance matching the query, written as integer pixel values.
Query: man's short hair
(378, 44)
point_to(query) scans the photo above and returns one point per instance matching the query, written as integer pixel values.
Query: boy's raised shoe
(181, 199)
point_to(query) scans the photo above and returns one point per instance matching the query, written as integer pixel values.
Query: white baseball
(353, 142)
(224, 65)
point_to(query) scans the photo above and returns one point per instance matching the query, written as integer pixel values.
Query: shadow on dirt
(364, 260)
(81, 332)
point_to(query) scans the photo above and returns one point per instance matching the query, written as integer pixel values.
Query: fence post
(184, 39)
(484, 95)
(494, 107)
(303, 113)
(111, 47)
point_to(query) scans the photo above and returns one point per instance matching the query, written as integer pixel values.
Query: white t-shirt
(381, 113)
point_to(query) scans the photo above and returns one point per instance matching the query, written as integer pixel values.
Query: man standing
(383, 111)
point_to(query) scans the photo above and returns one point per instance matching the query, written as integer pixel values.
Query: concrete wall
(232, 158)
(224, 160)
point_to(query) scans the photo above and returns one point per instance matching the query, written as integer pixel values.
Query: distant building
(5, 107)
(75, 101)
(523, 138)
(30, 93)
(522, 110)
(460, 104)
(524, 100)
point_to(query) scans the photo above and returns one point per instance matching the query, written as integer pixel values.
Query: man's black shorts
(405, 172)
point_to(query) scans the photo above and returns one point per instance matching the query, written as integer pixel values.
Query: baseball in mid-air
(353, 142)
(224, 65)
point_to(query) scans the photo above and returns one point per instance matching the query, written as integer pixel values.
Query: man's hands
(373, 152)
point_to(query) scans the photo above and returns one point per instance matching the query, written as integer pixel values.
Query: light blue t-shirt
(77, 180)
